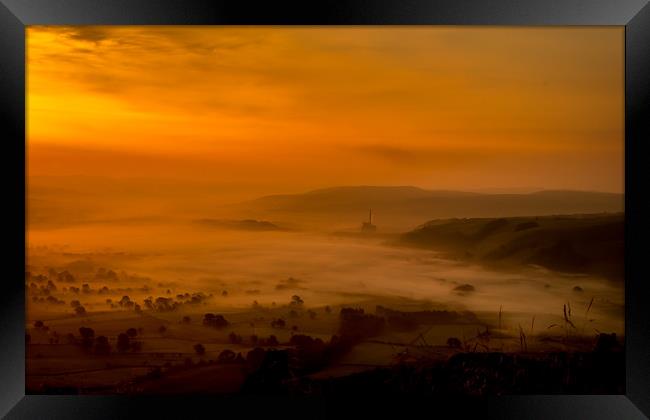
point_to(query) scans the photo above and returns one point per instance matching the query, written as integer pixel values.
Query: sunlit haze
(276, 109)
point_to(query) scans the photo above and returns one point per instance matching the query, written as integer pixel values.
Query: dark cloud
(420, 156)
(88, 33)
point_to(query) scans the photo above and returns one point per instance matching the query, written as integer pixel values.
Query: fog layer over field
(324, 269)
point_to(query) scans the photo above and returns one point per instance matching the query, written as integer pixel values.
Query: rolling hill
(400, 208)
(591, 244)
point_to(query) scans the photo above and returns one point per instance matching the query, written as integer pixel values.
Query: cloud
(421, 156)
(443, 97)
(88, 33)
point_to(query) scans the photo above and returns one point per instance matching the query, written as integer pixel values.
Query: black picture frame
(15, 15)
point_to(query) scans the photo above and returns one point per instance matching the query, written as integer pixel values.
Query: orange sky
(291, 109)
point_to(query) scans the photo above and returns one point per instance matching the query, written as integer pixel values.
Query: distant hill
(407, 207)
(247, 224)
(591, 244)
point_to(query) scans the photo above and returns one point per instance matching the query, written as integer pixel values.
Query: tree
(123, 342)
(199, 349)
(102, 346)
(186, 320)
(132, 332)
(87, 336)
(66, 276)
(162, 329)
(136, 345)
(226, 356)
(148, 303)
(296, 300)
(255, 357)
(234, 338)
(272, 341)
(164, 304)
(216, 321)
(38, 324)
(278, 323)
(75, 303)
(454, 342)
(80, 311)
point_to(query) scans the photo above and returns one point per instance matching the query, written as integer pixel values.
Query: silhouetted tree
(255, 357)
(102, 345)
(132, 332)
(278, 323)
(55, 301)
(87, 336)
(186, 320)
(454, 342)
(65, 276)
(75, 303)
(216, 321)
(355, 323)
(164, 304)
(234, 338)
(123, 343)
(226, 356)
(80, 311)
(199, 349)
(38, 324)
(136, 345)
(148, 303)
